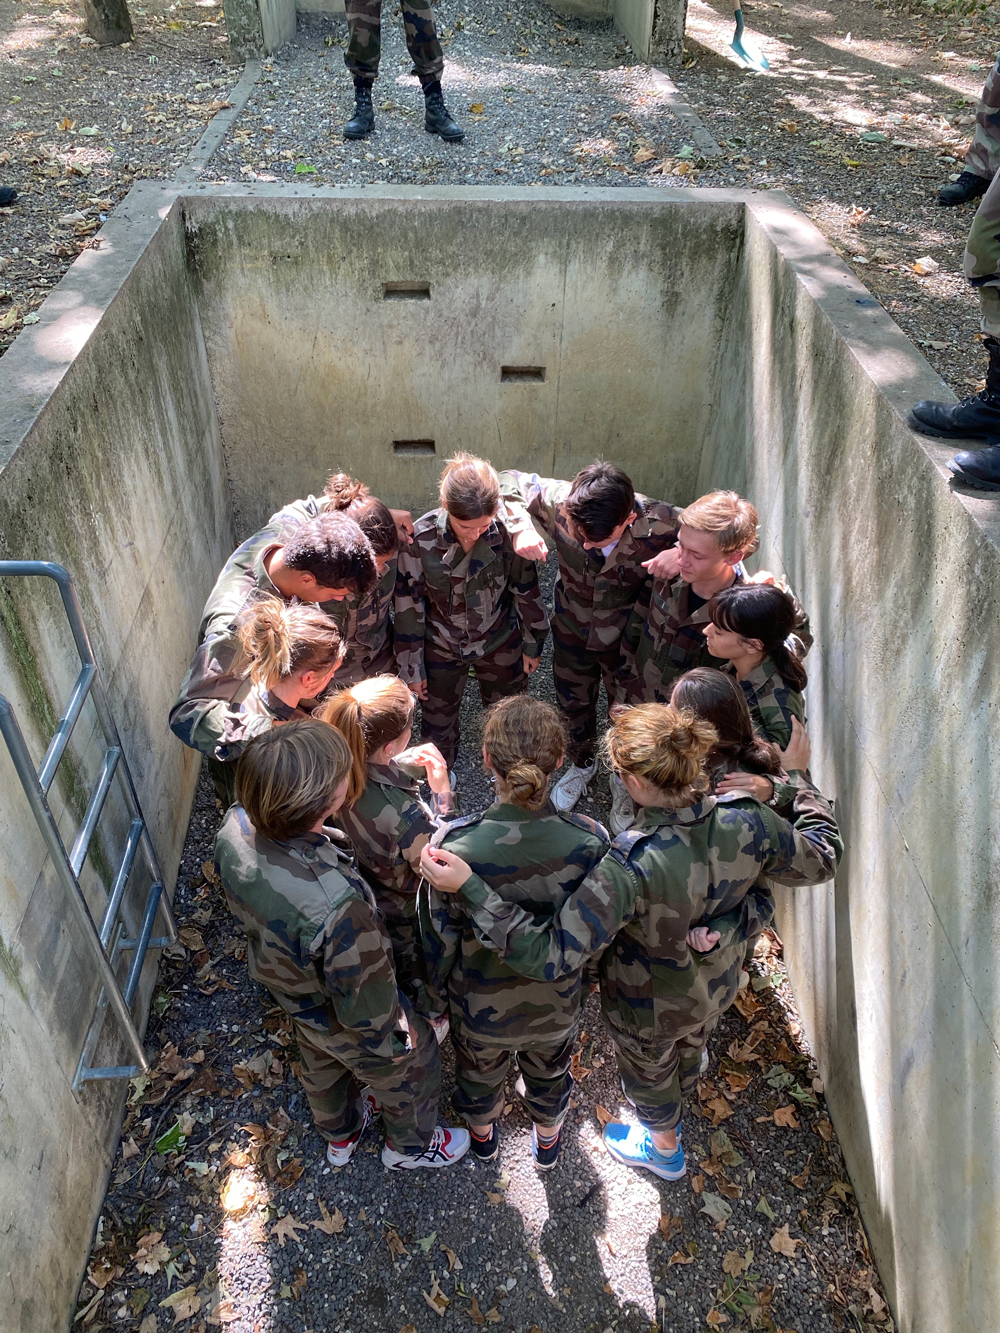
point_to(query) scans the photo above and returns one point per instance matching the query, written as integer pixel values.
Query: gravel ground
(589, 1247)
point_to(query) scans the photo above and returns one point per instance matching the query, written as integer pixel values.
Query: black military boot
(437, 119)
(973, 418)
(8, 195)
(968, 186)
(978, 467)
(363, 120)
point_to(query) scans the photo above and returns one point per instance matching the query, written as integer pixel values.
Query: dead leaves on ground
(332, 1224)
(151, 1253)
(286, 1228)
(478, 1316)
(782, 1243)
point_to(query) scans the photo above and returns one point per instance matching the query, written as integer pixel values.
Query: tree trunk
(666, 43)
(108, 21)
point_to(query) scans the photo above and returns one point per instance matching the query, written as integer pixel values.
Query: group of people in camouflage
(380, 918)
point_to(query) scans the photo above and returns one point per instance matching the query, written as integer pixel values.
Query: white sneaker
(447, 1146)
(340, 1156)
(439, 1026)
(703, 1067)
(571, 786)
(622, 806)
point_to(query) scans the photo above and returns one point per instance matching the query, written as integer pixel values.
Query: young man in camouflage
(669, 910)
(314, 939)
(983, 153)
(608, 542)
(364, 49)
(465, 598)
(326, 559)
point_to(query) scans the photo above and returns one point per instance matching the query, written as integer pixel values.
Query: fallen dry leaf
(191, 938)
(782, 1243)
(698, 1183)
(396, 1247)
(670, 1226)
(151, 1253)
(721, 1110)
(474, 1313)
(148, 1325)
(644, 155)
(224, 1313)
(495, 1198)
(454, 1262)
(286, 1228)
(785, 1115)
(299, 1285)
(604, 1116)
(799, 1181)
(733, 1263)
(332, 1223)
(436, 1298)
(715, 1319)
(492, 1316)
(184, 1303)
(408, 1328)
(476, 108)
(825, 1130)
(103, 1273)
(679, 1257)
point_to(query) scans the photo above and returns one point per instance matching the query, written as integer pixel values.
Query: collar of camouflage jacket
(759, 676)
(261, 576)
(509, 813)
(390, 775)
(691, 814)
(485, 550)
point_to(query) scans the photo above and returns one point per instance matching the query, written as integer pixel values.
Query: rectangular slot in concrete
(406, 291)
(413, 448)
(522, 374)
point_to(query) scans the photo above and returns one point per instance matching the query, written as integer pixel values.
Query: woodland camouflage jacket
(594, 594)
(772, 703)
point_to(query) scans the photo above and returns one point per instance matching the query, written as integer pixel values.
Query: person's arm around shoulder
(807, 847)
(526, 496)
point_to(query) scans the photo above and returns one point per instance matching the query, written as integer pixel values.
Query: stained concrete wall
(894, 967)
(313, 369)
(110, 463)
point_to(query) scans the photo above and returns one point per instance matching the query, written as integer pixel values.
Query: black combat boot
(437, 119)
(978, 467)
(363, 120)
(968, 186)
(8, 195)
(973, 418)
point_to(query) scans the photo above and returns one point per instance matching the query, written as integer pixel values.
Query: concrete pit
(225, 348)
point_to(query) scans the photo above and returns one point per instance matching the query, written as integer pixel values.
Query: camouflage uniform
(673, 870)
(772, 703)
(364, 46)
(363, 622)
(389, 826)
(594, 594)
(314, 940)
(535, 859)
(455, 611)
(666, 637)
(983, 155)
(982, 258)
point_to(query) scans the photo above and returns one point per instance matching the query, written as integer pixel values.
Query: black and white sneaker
(447, 1146)
(486, 1149)
(545, 1154)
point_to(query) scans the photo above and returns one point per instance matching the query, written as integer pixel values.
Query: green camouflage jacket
(534, 861)
(666, 637)
(594, 595)
(674, 869)
(772, 703)
(363, 622)
(467, 605)
(313, 935)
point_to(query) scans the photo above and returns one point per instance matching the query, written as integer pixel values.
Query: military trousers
(578, 672)
(364, 44)
(399, 916)
(983, 156)
(982, 258)
(656, 1079)
(499, 673)
(334, 1069)
(481, 1072)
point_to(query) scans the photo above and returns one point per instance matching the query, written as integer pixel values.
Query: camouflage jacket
(672, 870)
(389, 826)
(534, 859)
(251, 712)
(313, 935)
(467, 605)
(215, 685)
(594, 594)
(666, 637)
(772, 703)
(363, 622)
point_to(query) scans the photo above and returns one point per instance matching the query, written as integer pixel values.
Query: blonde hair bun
(665, 745)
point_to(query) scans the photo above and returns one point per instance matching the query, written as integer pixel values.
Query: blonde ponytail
(368, 716)
(665, 745)
(525, 740)
(278, 641)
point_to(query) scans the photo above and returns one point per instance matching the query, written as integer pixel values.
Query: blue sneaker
(632, 1145)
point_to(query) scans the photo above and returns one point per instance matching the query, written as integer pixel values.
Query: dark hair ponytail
(717, 698)
(762, 611)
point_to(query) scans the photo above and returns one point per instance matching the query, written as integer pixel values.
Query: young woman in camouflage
(751, 627)
(384, 817)
(465, 598)
(289, 653)
(671, 906)
(314, 939)
(532, 855)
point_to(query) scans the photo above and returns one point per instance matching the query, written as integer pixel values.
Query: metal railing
(106, 943)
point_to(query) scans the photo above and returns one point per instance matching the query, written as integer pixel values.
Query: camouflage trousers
(399, 916)
(983, 156)
(364, 46)
(334, 1070)
(982, 258)
(544, 1085)
(656, 1079)
(499, 673)
(578, 674)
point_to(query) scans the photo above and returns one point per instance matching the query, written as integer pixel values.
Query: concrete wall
(620, 302)
(894, 967)
(110, 463)
(258, 27)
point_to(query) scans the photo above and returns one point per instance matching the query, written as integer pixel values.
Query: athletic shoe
(545, 1154)
(447, 1146)
(440, 1025)
(622, 806)
(632, 1145)
(744, 978)
(339, 1154)
(703, 1067)
(571, 786)
(485, 1149)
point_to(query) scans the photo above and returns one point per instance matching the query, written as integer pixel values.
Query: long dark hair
(717, 698)
(762, 611)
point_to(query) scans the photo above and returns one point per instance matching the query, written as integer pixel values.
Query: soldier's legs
(578, 674)
(546, 1083)
(422, 41)
(364, 43)
(333, 1093)
(480, 1075)
(446, 678)
(656, 1081)
(983, 156)
(502, 672)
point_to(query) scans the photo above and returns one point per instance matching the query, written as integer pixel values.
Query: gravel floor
(763, 1232)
